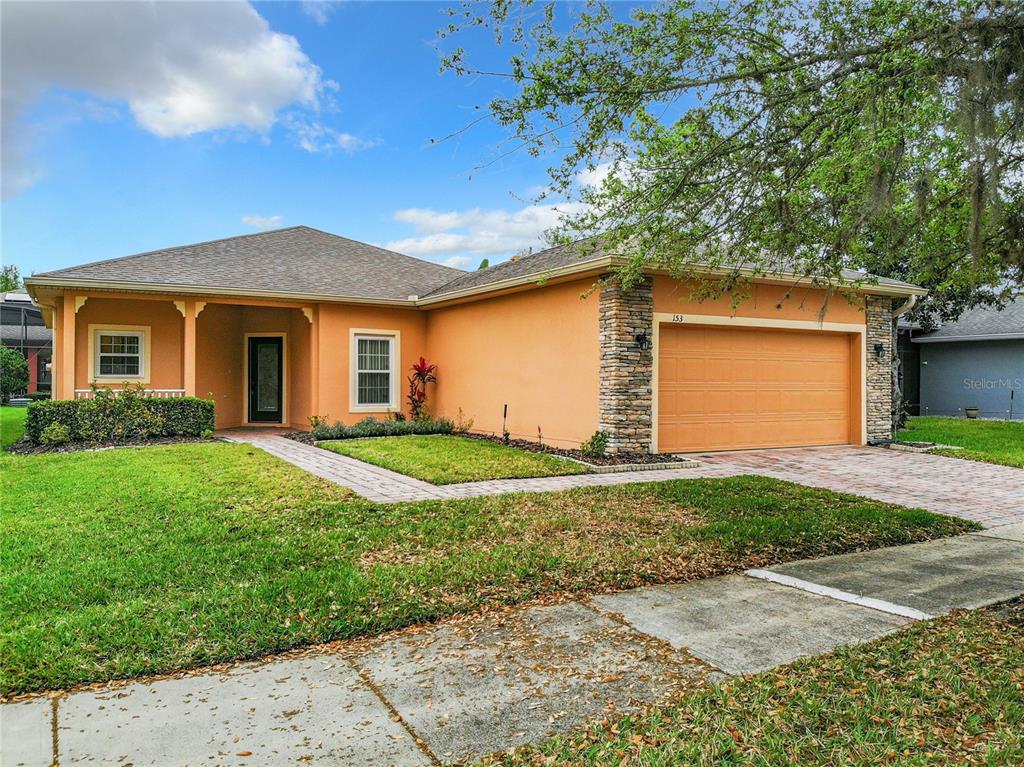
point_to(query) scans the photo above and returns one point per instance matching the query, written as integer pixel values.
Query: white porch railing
(158, 393)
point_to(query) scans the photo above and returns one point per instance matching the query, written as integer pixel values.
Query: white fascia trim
(152, 287)
(523, 279)
(613, 261)
(582, 267)
(979, 337)
(787, 278)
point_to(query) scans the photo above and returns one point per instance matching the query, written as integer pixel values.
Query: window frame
(143, 334)
(394, 345)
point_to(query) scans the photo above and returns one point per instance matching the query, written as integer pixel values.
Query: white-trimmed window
(374, 371)
(119, 354)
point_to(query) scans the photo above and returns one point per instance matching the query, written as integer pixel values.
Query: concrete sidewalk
(477, 684)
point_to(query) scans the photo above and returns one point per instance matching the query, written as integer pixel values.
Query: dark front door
(265, 380)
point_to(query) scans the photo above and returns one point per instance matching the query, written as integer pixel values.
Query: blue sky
(123, 134)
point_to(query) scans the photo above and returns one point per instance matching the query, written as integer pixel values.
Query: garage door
(726, 388)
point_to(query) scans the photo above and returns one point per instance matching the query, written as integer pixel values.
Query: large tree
(800, 135)
(10, 278)
(13, 372)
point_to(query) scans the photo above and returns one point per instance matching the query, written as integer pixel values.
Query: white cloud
(313, 136)
(458, 262)
(182, 68)
(596, 176)
(478, 232)
(318, 10)
(263, 222)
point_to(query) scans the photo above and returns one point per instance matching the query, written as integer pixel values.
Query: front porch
(254, 359)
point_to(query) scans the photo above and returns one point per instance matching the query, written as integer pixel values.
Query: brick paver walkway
(983, 492)
(368, 480)
(986, 493)
(379, 484)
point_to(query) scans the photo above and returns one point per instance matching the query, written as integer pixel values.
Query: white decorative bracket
(180, 306)
(308, 311)
(200, 305)
(80, 302)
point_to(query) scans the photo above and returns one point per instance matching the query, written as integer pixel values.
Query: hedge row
(371, 427)
(118, 419)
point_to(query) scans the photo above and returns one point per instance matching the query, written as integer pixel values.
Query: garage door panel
(726, 388)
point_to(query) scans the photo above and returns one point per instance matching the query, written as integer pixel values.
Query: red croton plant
(423, 373)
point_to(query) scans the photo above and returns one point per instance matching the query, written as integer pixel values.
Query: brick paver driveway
(986, 493)
(989, 494)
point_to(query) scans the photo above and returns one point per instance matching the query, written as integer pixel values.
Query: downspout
(905, 307)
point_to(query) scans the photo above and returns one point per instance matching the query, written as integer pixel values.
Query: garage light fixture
(879, 351)
(642, 341)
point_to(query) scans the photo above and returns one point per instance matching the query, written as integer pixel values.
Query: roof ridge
(512, 260)
(57, 272)
(386, 250)
(172, 247)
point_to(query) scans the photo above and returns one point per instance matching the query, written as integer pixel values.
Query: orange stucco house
(281, 326)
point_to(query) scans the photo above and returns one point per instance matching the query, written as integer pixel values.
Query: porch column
(189, 365)
(314, 360)
(69, 306)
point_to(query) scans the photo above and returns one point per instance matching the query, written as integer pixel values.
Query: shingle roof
(302, 260)
(298, 260)
(538, 264)
(983, 321)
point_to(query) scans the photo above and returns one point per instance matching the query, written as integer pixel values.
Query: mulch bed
(621, 459)
(25, 447)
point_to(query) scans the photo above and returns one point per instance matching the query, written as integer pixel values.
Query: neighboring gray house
(977, 361)
(22, 328)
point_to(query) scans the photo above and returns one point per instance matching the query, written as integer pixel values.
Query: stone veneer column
(879, 368)
(625, 375)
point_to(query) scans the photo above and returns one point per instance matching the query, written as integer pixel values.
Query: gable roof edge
(155, 287)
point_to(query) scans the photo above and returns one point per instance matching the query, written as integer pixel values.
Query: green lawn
(443, 460)
(132, 561)
(943, 692)
(990, 441)
(12, 424)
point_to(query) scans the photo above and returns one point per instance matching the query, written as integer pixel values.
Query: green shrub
(36, 396)
(128, 416)
(596, 446)
(109, 418)
(13, 372)
(371, 427)
(55, 434)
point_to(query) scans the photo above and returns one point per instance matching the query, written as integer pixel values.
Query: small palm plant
(423, 373)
